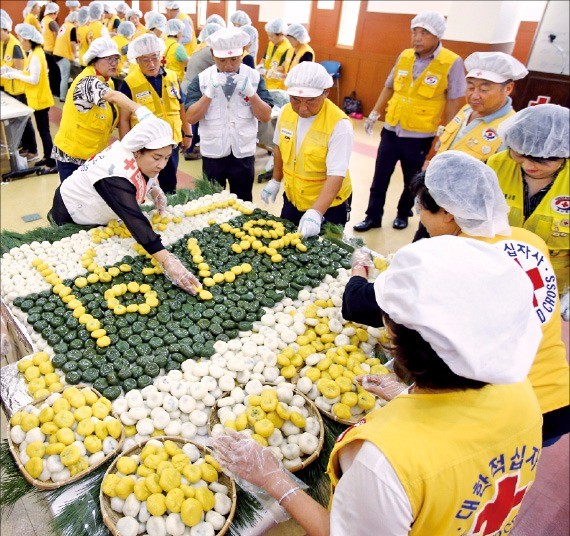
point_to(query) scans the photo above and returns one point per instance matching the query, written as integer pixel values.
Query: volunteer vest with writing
(465, 459)
(13, 87)
(165, 106)
(39, 96)
(121, 41)
(549, 374)
(418, 105)
(62, 45)
(33, 20)
(139, 30)
(82, 39)
(476, 142)
(189, 47)
(551, 218)
(84, 134)
(170, 57)
(293, 56)
(81, 199)
(228, 126)
(49, 37)
(271, 60)
(305, 173)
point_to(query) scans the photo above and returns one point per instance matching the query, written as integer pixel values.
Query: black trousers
(167, 177)
(338, 215)
(411, 153)
(42, 121)
(54, 74)
(28, 142)
(239, 172)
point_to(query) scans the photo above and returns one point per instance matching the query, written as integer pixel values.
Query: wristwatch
(188, 135)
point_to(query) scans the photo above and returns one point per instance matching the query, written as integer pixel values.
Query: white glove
(9, 73)
(244, 85)
(361, 257)
(142, 112)
(216, 80)
(386, 386)
(179, 275)
(369, 122)
(310, 224)
(269, 193)
(272, 73)
(565, 306)
(261, 68)
(159, 199)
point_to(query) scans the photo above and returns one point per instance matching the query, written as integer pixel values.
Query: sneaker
(32, 157)
(192, 155)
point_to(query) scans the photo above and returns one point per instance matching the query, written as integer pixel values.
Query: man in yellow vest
(157, 89)
(470, 424)
(188, 40)
(534, 174)
(425, 88)
(175, 56)
(312, 146)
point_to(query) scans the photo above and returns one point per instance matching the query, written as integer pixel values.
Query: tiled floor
(546, 509)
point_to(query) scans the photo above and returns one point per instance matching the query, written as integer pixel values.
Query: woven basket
(54, 485)
(313, 412)
(110, 517)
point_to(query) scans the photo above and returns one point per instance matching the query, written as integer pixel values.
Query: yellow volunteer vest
(111, 23)
(139, 30)
(94, 30)
(82, 32)
(165, 106)
(271, 60)
(83, 135)
(550, 220)
(293, 56)
(549, 374)
(33, 20)
(305, 174)
(49, 37)
(170, 58)
(13, 87)
(121, 41)
(190, 47)
(464, 459)
(39, 96)
(418, 105)
(481, 142)
(63, 45)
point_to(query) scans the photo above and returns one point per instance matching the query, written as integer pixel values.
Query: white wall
(545, 56)
(410, 8)
(298, 11)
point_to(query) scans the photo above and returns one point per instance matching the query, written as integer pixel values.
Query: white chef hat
(308, 79)
(541, 131)
(217, 19)
(126, 29)
(228, 42)
(72, 3)
(150, 133)
(27, 31)
(145, 44)
(496, 67)
(240, 17)
(5, 22)
(276, 26)
(432, 21)
(122, 7)
(50, 8)
(172, 5)
(131, 12)
(209, 29)
(174, 27)
(299, 32)
(95, 10)
(469, 190)
(83, 15)
(155, 20)
(469, 301)
(102, 47)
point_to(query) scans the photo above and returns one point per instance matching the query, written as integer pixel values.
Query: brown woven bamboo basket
(313, 412)
(47, 485)
(110, 517)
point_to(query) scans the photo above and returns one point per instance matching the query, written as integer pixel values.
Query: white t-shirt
(340, 143)
(369, 498)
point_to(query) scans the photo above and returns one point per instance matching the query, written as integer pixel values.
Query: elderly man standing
(425, 88)
(229, 99)
(157, 89)
(313, 142)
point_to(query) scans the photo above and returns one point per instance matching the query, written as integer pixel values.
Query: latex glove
(244, 86)
(261, 69)
(362, 258)
(565, 306)
(369, 122)
(9, 73)
(179, 275)
(142, 112)
(386, 386)
(159, 199)
(269, 193)
(5, 343)
(310, 224)
(272, 73)
(216, 80)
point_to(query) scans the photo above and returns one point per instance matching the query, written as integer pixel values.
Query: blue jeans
(65, 169)
(64, 68)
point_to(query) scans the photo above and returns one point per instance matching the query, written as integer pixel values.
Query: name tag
(142, 94)
(402, 73)
(287, 133)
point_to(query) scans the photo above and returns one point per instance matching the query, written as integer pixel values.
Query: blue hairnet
(217, 19)
(5, 22)
(208, 30)
(299, 32)
(83, 15)
(95, 10)
(156, 20)
(27, 31)
(50, 8)
(126, 29)
(276, 26)
(252, 32)
(241, 18)
(174, 26)
(72, 17)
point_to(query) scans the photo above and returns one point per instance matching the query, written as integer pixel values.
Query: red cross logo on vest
(541, 99)
(130, 164)
(246, 99)
(536, 280)
(494, 514)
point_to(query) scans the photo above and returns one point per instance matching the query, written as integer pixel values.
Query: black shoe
(192, 155)
(400, 223)
(49, 162)
(366, 225)
(410, 214)
(265, 176)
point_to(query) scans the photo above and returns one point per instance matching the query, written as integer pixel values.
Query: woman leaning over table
(470, 407)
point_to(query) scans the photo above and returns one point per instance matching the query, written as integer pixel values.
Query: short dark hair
(419, 189)
(416, 361)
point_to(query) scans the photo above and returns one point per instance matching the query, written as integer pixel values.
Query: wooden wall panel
(218, 8)
(524, 41)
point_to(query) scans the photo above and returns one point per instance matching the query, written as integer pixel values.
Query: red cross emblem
(541, 99)
(130, 164)
(479, 73)
(536, 280)
(230, 52)
(494, 514)
(246, 99)
(300, 92)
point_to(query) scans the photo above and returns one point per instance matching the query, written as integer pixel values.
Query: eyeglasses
(112, 60)
(148, 60)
